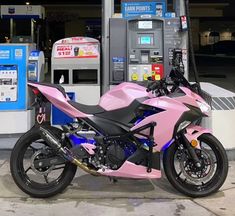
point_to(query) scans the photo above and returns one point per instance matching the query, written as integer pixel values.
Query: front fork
(191, 134)
(182, 139)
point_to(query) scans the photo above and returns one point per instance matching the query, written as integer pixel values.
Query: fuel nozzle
(177, 60)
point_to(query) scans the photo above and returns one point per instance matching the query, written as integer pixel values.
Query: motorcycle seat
(95, 109)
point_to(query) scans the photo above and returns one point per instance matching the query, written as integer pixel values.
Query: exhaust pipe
(55, 144)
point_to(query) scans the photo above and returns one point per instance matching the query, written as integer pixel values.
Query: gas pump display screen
(8, 83)
(145, 40)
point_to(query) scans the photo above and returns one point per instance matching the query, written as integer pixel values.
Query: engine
(115, 156)
(112, 154)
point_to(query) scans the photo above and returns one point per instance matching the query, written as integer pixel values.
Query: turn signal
(194, 143)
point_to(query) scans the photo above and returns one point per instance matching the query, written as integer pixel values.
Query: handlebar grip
(154, 86)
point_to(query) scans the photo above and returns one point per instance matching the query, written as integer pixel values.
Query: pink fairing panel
(59, 101)
(131, 170)
(122, 96)
(165, 120)
(190, 97)
(90, 148)
(194, 131)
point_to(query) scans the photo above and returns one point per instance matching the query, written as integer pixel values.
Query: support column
(107, 12)
(11, 28)
(179, 8)
(32, 30)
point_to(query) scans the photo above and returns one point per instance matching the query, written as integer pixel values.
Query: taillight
(36, 91)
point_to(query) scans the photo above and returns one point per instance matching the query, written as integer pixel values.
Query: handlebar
(176, 79)
(153, 86)
(158, 87)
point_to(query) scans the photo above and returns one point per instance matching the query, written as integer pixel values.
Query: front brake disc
(190, 171)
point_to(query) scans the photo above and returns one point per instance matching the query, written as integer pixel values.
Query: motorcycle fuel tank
(122, 96)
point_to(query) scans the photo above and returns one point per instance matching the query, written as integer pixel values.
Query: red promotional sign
(77, 50)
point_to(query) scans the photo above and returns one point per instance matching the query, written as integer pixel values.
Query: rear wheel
(33, 180)
(191, 180)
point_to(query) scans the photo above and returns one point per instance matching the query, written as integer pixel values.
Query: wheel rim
(193, 178)
(48, 177)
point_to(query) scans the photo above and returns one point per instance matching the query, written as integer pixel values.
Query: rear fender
(193, 132)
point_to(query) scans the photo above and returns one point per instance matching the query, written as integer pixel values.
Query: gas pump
(143, 41)
(19, 62)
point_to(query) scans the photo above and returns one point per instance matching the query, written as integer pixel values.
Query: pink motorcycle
(123, 137)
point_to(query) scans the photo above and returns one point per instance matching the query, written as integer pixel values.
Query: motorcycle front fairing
(182, 110)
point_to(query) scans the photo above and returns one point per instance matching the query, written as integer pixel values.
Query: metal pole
(107, 12)
(47, 52)
(176, 7)
(11, 28)
(191, 48)
(32, 30)
(180, 10)
(38, 37)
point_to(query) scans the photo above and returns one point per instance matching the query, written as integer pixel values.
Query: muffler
(56, 145)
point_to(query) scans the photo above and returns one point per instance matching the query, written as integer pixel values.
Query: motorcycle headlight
(204, 107)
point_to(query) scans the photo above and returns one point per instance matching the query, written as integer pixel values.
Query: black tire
(188, 188)
(20, 176)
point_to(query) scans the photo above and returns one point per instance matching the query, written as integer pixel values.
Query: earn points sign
(132, 9)
(138, 8)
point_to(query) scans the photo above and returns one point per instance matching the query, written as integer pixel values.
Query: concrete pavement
(88, 195)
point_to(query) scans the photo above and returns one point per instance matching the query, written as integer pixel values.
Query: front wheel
(191, 180)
